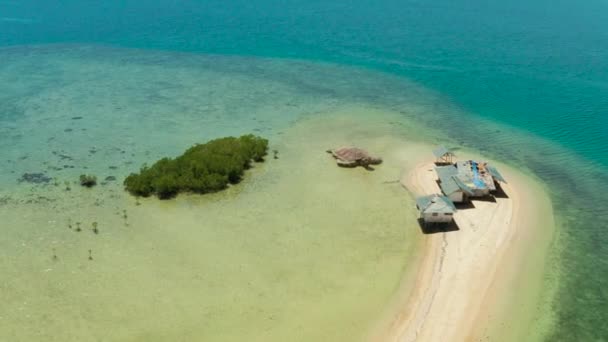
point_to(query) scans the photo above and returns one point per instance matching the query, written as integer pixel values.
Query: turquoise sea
(525, 82)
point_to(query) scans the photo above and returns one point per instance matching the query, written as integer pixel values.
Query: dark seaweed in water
(62, 156)
(36, 178)
(88, 181)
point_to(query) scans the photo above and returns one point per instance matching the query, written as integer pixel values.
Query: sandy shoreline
(460, 286)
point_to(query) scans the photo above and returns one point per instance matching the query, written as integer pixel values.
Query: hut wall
(456, 197)
(481, 192)
(438, 218)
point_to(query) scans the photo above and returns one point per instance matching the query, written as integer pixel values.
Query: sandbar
(460, 288)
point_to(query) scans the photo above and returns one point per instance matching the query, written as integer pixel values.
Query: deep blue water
(541, 66)
(520, 62)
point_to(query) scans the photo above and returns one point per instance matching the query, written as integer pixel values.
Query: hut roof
(450, 183)
(435, 204)
(494, 172)
(441, 151)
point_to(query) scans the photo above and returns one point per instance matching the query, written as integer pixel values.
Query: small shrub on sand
(203, 168)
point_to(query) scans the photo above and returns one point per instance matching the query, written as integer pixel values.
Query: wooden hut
(467, 179)
(451, 185)
(435, 209)
(443, 155)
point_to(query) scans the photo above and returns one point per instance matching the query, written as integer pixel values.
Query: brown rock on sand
(353, 157)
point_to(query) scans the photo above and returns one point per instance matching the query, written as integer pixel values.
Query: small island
(203, 168)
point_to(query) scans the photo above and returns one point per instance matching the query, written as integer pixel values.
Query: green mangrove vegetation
(203, 168)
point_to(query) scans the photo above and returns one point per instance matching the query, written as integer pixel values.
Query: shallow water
(301, 250)
(522, 82)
